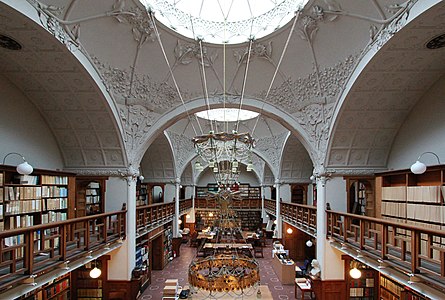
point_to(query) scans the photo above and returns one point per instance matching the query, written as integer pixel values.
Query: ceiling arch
(65, 90)
(383, 93)
(296, 165)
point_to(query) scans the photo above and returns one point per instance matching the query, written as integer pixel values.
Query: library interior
(237, 149)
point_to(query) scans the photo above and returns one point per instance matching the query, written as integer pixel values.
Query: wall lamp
(355, 272)
(24, 168)
(419, 167)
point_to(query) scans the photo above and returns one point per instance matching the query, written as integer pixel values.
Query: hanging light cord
(205, 84)
(158, 36)
(244, 84)
(276, 69)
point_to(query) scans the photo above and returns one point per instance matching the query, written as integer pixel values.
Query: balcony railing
(411, 248)
(236, 204)
(41, 248)
(270, 206)
(299, 215)
(153, 215)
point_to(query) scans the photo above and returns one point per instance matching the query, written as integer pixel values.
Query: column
(279, 225)
(263, 210)
(176, 217)
(131, 223)
(321, 224)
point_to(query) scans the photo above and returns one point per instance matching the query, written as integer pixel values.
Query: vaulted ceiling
(349, 74)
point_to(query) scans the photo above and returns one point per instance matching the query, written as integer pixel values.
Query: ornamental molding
(353, 172)
(182, 148)
(101, 172)
(258, 50)
(186, 53)
(140, 22)
(271, 148)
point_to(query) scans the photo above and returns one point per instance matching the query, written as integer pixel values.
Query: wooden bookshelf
(363, 288)
(26, 200)
(58, 289)
(90, 195)
(142, 270)
(141, 193)
(162, 249)
(392, 290)
(245, 191)
(87, 288)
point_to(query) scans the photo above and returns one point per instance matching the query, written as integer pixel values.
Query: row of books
(22, 192)
(57, 288)
(54, 191)
(56, 203)
(47, 179)
(428, 194)
(21, 221)
(52, 216)
(427, 213)
(92, 199)
(24, 206)
(89, 293)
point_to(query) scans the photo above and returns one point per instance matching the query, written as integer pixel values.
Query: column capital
(177, 180)
(278, 181)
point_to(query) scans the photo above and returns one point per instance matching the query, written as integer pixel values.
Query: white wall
(189, 192)
(285, 192)
(169, 192)
(423, 130)
(267, 192)
(115, 193)
(336, 194)
(23, 130)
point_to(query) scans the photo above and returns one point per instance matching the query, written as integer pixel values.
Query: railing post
(362, 234)
(384, 241)
(28, 253)
(415, 249)
(62, 243)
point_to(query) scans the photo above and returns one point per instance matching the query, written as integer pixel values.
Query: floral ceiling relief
(183, 150)
(271, 147)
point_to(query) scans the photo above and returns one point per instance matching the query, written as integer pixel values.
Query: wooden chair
(258, 250)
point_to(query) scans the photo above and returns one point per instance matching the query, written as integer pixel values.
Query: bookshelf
(58, 289)
(90, 195)
(85, 287)
(162, 248)
(363, 288)
(414, 199)
(141, 193)
(298, 193)
(27, 200)
(246, 191)
(142, 270)
(392, 290)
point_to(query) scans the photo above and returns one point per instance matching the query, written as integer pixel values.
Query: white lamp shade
(289, 230)
(418, 167)
(309, 243)
(95, 273)
(355, 273)
(188, 216)
(179, 221)
(24, 168)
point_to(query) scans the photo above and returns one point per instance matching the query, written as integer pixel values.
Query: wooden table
(304, 287)
(265, 295)
(227, 246)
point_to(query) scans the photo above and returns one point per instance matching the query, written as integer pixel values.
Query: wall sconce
(95, 272)
(289, 230)
(275, 222)
(210, 214)
(309, 243)
(188, 216)
(355, 272)
(24, 168)
(179, 221)
(419, 167)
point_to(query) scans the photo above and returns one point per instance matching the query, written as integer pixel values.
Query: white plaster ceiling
(384, 94)
(67, 97)
(296, 165)
(157, 165)
(322, 53)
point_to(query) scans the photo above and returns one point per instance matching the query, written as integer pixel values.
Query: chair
(257, 249)
(194, 242)
(304, 268)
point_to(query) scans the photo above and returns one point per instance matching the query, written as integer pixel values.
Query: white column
(176, 217)
(263, 210)
(131, 223)
(279, 226)
(321, 224)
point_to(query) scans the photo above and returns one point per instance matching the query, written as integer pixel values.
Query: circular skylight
(227, 114)
(224, 21)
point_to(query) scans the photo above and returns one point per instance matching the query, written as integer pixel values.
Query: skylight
(227, 114)
(220, 21)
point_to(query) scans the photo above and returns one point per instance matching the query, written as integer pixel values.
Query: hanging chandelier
(223, 152)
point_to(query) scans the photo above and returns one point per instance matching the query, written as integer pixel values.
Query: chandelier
(223, 152)
(225, 271)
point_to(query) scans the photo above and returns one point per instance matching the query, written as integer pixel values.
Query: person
(315, 270)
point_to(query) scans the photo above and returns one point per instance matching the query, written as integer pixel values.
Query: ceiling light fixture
(24, 168)
(419, 167)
